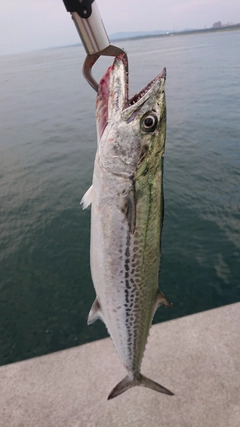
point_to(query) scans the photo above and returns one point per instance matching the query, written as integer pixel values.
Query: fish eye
(149, 122)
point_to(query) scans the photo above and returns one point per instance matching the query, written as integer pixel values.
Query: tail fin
(141, 380)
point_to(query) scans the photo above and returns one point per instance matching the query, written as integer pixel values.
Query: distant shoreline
(167, 34)
(180, 33)
(144, 36)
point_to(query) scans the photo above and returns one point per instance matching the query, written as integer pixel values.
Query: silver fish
(127, 216)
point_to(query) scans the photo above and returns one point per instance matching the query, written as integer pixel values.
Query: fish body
(127, 216)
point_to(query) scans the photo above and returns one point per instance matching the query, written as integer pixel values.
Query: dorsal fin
(161, 300)
(95, 312)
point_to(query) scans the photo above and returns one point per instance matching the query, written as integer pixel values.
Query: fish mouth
(113, 92)
(138, 96)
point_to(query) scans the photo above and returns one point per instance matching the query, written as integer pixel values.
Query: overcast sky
(37, 24)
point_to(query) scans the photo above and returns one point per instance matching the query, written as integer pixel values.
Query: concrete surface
(197, 357)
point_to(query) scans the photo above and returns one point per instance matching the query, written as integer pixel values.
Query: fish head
(131, 132)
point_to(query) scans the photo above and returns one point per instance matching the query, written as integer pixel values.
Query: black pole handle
(82, 7)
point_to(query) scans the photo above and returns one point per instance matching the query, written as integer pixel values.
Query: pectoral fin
(129, 209)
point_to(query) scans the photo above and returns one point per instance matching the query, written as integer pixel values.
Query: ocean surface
(47, 149)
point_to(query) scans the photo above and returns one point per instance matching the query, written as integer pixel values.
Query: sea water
(47, 149)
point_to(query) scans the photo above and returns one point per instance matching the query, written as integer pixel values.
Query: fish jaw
(112, 95)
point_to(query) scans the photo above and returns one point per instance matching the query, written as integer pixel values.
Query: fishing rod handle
(89, 24)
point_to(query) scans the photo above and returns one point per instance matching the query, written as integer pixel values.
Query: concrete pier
(197, 357)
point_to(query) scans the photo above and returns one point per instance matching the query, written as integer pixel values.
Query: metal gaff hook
(93, 34)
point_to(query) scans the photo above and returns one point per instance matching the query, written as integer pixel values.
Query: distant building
(217, 24)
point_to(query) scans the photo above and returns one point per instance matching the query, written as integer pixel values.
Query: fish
(126, 198)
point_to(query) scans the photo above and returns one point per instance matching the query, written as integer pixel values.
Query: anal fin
(94, 313)
(87, 198)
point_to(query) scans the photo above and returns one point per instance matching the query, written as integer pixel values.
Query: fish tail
(146, 382)
(124, 385)
(139, 380)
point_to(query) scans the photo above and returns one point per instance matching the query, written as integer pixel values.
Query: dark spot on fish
(126, 275)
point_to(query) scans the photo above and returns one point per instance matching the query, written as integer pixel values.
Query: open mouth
(113, 92)
(137, 97)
